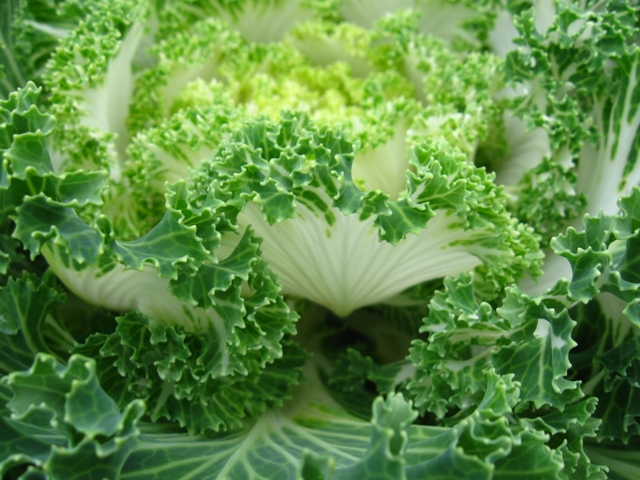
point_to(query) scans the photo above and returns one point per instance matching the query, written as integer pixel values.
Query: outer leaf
(572, 429)
(25, 305)
(523, 337)
(71, 428)
(278, 445)
(623, 460)
(185, 374)
(607, 244)
(621, 391)
(389, 439)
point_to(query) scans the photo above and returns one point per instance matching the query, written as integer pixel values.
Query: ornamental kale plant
(319, 239)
